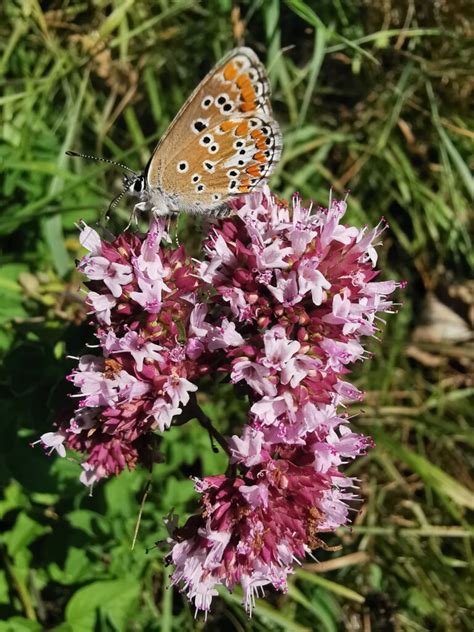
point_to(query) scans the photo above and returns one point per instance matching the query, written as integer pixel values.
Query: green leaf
(20, 624)
(4, 588)
(11, 297)
(77, 568)
(87, 521)
(24, 532)
(13, 498)
(316, 607)
(120, 495)
(433, 475)
(337, 589)
(266, 613)
(178, 492)
(114, 600)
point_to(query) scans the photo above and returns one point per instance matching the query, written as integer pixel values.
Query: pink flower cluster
(294, 292)
(278, 306)
(255, 525)
(141, 296)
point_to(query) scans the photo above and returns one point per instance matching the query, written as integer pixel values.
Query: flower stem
(195, 411)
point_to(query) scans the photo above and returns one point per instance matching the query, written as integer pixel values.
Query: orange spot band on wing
(248, 106)
(242, 129)
(259, 157)
(243, 80)
(248, 94)
(226, 126)
(253, 171)
(229, 72)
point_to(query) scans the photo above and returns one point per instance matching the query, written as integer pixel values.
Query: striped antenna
(75, 154)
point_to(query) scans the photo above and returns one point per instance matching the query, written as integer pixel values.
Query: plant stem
(20, 588)
(193, 410)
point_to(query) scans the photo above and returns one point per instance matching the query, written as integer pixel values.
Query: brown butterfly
(224, 142)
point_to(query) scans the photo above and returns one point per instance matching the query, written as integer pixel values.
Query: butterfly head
(134, 185)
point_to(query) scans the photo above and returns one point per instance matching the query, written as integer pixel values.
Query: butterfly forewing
(224, 141)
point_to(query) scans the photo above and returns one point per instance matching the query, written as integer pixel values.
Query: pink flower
(139, 348)
(247, 450)
(55, 442)
(311, 280)
(273, 256)
(143, 376)
(255, 526)
(279, 306)
(178, 389)
(255, 375)
(278, 348)
(286, 290)
(114, 275)
(101, 305)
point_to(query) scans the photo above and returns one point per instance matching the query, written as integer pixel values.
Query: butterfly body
(223, 143)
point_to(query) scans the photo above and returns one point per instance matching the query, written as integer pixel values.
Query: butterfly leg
(141, 206)
(160, 211)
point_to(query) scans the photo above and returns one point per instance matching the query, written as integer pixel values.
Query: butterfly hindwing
(223, 142)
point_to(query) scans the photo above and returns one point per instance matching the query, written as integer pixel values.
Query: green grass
(371, 99)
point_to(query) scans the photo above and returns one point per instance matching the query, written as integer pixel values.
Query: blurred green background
(373, 96)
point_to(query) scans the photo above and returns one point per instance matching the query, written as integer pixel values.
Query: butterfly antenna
(106, 215)
(75, 154)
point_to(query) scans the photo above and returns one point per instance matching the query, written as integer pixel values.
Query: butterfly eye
(138, 185)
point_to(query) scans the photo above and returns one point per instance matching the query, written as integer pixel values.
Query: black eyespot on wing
(199, 126)
(221, 100)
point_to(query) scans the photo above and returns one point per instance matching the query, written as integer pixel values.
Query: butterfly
(223, 143)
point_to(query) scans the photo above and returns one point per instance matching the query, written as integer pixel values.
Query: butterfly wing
(223, 142)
